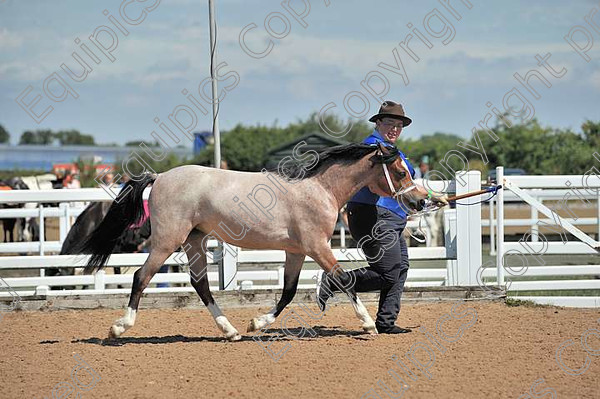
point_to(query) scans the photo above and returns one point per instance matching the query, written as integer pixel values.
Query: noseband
(404, 188)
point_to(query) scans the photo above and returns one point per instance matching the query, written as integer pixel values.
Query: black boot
(392, 330)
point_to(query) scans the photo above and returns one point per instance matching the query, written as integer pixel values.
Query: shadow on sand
(265, 335)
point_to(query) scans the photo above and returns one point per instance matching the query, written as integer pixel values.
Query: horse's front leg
(292, 268)
(345, 282)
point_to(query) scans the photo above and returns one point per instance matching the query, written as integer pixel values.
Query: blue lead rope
(493, 190)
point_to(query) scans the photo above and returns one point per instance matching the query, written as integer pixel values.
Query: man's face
(389, 128)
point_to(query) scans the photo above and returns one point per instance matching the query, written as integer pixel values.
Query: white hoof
(225, 326)
(258, 323)
(235, 337)
(123, 324)
(115, 331)
(370, 328)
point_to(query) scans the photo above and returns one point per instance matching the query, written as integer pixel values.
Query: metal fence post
(228, 267)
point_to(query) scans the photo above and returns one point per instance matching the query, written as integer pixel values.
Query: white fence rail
(541, 195)
(237, 277)
(462, 252)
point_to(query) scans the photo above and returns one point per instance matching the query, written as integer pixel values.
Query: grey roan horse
(296, 214)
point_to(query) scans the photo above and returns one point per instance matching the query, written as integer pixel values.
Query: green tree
(137, 143)
(435, 146)
(87, 173)
(74, 137)
(43, 137)
(4, 135)
(591, 133)
(538, 149)
(246, 147)
(358, 131)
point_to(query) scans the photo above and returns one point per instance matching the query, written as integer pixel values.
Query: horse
(8, 224)
(28, 228)
(296, 214)
(85, 224)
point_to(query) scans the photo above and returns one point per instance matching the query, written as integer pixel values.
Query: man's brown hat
(390, 109)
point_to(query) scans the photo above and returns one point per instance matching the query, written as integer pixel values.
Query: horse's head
(394, 179)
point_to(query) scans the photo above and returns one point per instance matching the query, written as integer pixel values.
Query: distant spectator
(67, 180)
(75, 182)
(108, 178)
(125, 178)
(423, 168)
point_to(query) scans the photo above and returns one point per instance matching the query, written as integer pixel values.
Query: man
(423, 168)
(383, 245)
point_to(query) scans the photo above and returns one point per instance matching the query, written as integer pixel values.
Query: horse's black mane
(339, 155)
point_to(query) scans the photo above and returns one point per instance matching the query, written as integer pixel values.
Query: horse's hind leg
(141, 278)
(325, 258)
(196, 253)
(293, 266)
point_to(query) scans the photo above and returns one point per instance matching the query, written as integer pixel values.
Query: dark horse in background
(129, 241)
(8, 224)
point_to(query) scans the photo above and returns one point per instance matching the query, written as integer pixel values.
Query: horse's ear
(384, 150)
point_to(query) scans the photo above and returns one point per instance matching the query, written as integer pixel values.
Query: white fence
(542, 195)
(531, 272)
(462, 252)
(245, 269)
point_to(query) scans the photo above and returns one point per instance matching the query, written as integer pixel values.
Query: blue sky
(310, 67)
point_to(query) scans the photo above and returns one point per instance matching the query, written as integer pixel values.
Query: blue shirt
(365, 196)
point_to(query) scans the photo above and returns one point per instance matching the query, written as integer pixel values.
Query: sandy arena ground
(179, 353)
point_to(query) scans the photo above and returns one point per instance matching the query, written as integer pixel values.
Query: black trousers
(379, 231)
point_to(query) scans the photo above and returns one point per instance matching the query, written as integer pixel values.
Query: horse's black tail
(126, 209)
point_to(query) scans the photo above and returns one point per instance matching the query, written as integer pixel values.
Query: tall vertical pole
(213, 75)
(227, 266)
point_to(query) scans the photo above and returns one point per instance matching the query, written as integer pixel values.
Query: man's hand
(439, 200)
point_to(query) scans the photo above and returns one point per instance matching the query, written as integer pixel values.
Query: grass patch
(511, 302)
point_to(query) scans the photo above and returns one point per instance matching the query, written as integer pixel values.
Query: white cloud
(595, 79)
(9, 39)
